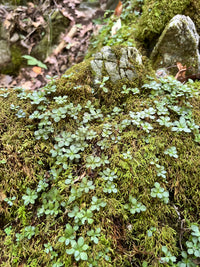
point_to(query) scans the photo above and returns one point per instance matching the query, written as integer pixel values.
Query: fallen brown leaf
(118, 9)
(180, 76)
(37, 70)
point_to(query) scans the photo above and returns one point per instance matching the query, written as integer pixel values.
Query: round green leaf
(83, 256)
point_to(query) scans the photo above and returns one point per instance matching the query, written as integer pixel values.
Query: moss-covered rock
(156, 14)
(179, 42)
(100, 174)
(75, 158)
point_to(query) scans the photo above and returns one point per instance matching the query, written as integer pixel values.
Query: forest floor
(84, 22)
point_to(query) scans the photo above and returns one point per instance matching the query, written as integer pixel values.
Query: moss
(16, 61)
(29, 161)
(156, 14)
(193, 11)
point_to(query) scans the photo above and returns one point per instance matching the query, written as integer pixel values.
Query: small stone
(97, 65)
(14, 38)
(108, 54)
(112, 70)
(130, 75)
(117, 67)
(98, 55)
(134, 54)
(5, 55)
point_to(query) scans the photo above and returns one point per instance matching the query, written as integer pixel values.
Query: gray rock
(5, 55)
(98, 55)
(97, 68)
(108, 54)
(112, 70)
(178, 43)
(134, 54)
(116, 65)
(124, 62)
(130, 74)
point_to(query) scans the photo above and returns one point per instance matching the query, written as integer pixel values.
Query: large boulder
(178, 43)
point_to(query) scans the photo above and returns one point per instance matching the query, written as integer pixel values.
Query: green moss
(193, 11)
(28, 161)
(155, 16)
(16, 61)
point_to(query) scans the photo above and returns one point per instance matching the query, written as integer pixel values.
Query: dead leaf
(85, 29)
(118, 9)
(7, 22)
(2, 196)
(85, 14)
(116, 27)
(37, 70)
(31, 8)
(5, 80)
(27, 85)
(177, 188)
(71, 3)
(66, 14)
(180, 76)
(40, 21)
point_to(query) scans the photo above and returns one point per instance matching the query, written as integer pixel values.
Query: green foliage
(108, 175)
(193, 246)
(29, 231)
(34, 61)
(160, 193)
(168, 258)
(124, 36)
(156, 15)
(172, 152)
(69, 236)
(97, 203)
(86, 185)
(126, 90)
(10, 200)
(102, 84)
(30, 196)
(186, 261)
(78, 249)
(151, 231)
(20, 114)
(51, 203)
(134, 206)
(110, 188)
(94, 234)
(93, 162)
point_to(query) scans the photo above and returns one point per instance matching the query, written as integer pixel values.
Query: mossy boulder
(101, 173)
(179, 42)
(95, 177)
(156, 14)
